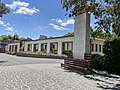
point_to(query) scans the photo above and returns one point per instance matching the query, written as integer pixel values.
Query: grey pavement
(15, 60)
(46, 74)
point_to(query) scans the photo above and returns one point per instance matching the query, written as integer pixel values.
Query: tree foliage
(72, 6)
(15, 37)
(69, 34)
(43, 37)
(107, 12)
(102, 35)
(97, 62)
(3, 9)
(111, 50)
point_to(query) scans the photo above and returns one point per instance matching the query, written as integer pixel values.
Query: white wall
(18, 46)
(59, 40)
(48, 41)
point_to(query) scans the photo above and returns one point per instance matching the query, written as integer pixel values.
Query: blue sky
(31, 18)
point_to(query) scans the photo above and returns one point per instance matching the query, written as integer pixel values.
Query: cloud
(17, 4)
(27, 11)
(1, 23)
(64, 22)
(58, 27)
(68, 22)
(22, 8)
(7, 27)
(58, 20)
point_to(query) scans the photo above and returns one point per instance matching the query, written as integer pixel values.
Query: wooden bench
(76, 65)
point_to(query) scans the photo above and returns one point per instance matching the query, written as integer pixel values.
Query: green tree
(3, 37)
(106, 12)
(22, 39)
(43, 37)
(111, 50)
(16, 37)
(69, 34)
(3, 9)
(10, 37)
(29, 39)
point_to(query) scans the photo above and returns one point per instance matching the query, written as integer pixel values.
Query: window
(99, 48)
(96, 48)
(92, 48)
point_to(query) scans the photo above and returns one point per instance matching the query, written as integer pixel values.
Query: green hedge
(69, 53)
(97, 62)
(111, 50)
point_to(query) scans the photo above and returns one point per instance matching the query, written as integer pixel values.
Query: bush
(111, 50)
(69, 53)
(21, 49)
(97, 62)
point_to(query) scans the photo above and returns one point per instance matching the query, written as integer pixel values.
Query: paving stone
(48, 77)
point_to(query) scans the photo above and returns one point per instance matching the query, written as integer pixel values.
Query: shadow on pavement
(105, 81)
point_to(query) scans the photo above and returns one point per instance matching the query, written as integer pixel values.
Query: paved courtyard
(21, 73)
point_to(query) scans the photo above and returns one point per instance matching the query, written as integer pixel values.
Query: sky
(32, 18)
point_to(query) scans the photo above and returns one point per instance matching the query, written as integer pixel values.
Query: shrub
(97, 62)
(69, 53)
(21, 49)
(111, 50)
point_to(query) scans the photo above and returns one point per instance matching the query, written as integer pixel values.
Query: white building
(79, 44)
(54, 45)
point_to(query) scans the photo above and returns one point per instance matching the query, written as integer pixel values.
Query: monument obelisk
(81, 35)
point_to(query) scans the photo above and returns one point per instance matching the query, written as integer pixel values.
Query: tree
(43, 37)
(111, 50)
(74, 6)
(106, 12)
(69, 34)
(28, 39)
(10, 37)
(22, 39)
(16, 37)
(3, 37)
(3, 9)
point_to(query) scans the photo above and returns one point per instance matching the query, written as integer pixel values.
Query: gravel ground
(45, 76)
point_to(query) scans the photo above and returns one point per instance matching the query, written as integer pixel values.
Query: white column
(8, 48)
(39, 47)
(81, 36)
(32, 47)
(59, 48)
(18, 47)
(14, 49)
(48, 47)
(26, 47)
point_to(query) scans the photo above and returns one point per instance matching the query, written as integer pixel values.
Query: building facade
(56, 45)
(3, 46)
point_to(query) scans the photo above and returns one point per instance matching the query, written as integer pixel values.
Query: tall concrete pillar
(81, 36)
(48, 47)
(59, 48)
